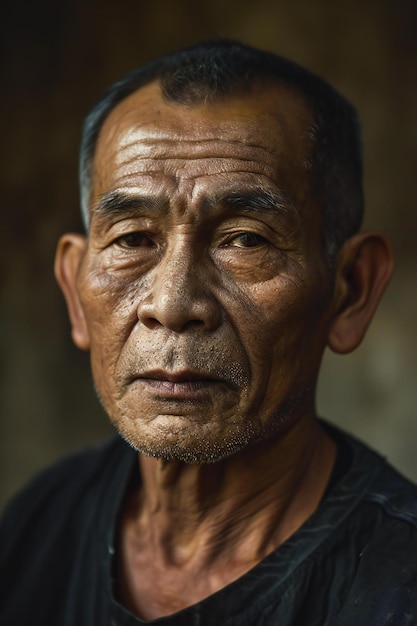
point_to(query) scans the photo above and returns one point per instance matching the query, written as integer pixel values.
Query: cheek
(283, 326)
(271, 306)
(110, 306)
(110, 300)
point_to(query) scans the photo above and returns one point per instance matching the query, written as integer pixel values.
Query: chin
(203, 447)
(192, 441)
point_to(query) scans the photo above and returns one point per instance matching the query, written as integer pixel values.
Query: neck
(193, 529)
(244, 506)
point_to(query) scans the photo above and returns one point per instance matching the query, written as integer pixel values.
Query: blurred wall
(57, 58)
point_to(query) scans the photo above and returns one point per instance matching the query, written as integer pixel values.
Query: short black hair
(215, 70)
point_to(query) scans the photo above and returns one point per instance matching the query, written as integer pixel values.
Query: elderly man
(221, 191)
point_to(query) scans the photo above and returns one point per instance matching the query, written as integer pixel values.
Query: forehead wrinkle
(170, 170)
(233, 162)
(149, 149)
(203, 157)
(157, 145)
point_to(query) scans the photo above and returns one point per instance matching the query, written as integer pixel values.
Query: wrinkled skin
(204, 298)
(203, 287)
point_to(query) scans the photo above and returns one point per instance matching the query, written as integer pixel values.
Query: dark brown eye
(134, 240)
(247, 240)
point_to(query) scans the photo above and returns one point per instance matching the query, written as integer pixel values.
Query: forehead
(262, 136)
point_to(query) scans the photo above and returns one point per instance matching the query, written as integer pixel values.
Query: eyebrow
(260, 200)
(251, 201)
(117, 202)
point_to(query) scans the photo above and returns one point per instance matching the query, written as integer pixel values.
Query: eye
(247, 240)
(134, 240)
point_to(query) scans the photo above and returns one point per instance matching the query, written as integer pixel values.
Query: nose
(180, 295)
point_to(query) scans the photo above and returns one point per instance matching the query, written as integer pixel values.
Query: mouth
(181, 385)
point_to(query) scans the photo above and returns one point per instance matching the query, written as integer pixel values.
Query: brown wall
(57, 58)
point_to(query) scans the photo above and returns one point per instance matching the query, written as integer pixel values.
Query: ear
(364, 269)
(69, 254)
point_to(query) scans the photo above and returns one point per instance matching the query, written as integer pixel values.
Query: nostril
(150, 322)
(193, 323)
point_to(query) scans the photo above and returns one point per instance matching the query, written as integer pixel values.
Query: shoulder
(385, 487)
(367, 475)
(55, 537)
(58, 488)
(381, 534)
(374, 510)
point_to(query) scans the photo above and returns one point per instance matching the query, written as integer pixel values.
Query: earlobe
(69, 254)
(364, 269)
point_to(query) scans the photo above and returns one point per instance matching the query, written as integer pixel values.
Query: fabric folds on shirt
(352, 563)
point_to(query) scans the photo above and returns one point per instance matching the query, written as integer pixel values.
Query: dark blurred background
(57, 58)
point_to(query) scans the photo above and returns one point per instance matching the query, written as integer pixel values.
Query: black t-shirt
(353, 562)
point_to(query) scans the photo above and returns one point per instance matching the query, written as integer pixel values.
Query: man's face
(203, 285)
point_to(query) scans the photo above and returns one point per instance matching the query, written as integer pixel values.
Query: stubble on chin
(207, 443)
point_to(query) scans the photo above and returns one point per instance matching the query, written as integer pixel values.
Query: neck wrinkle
(243, 507)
